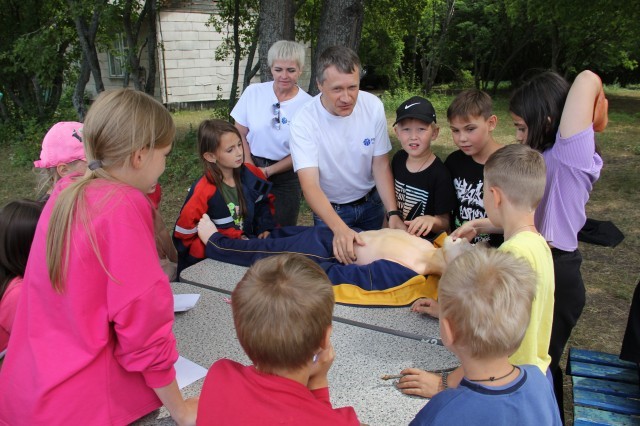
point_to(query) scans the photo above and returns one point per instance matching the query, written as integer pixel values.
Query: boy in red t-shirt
(282, 310)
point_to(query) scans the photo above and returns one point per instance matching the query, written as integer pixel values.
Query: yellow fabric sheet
(402, 295)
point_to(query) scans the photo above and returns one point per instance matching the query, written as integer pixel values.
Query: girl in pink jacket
(92, 341)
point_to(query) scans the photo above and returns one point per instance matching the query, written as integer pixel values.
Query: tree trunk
(430, 68)
(515, 52)
(87, 37)
(249, 69)
(78, 91)
(152, 45)
(236, 55)
(340, 24)
(132, 33)
(555, 46)
(275, 22)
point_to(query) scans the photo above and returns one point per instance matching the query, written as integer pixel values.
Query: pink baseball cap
(61, 145)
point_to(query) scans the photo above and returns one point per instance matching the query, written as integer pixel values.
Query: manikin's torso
(395, 245)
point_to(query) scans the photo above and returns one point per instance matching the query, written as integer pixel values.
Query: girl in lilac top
(559, 121)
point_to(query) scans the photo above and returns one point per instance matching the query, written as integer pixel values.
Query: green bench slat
(607, 387)
(601, 401)
(607, 372)
(584, 416)
(601, 358)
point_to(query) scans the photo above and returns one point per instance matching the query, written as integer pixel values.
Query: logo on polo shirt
(368, 141)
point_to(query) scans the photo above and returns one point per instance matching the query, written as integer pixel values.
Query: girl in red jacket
(236, 195)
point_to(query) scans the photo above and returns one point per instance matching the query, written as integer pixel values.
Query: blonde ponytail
(119, 123)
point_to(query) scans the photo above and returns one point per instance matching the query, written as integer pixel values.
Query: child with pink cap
(62, 154)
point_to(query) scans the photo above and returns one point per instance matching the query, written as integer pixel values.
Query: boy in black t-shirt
(472, 122)
(423, 188)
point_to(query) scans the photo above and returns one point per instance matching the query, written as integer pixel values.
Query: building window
(117, 58)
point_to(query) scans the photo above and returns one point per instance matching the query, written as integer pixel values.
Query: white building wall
(186, 52)
(111, 83)
(187, 69)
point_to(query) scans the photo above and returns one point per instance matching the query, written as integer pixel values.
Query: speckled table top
(400, 321)
(372, 344)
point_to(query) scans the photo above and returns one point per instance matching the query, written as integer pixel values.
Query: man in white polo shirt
(339, 146)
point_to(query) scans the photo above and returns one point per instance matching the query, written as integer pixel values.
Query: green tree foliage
(383, 39)
(498, 40)
(36, 49)
(238, 20)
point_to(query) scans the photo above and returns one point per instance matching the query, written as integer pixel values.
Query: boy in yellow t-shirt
(515, 177)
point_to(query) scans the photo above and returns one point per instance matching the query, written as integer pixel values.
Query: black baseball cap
(418, 108)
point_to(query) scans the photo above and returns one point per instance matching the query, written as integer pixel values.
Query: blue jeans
(367, 216)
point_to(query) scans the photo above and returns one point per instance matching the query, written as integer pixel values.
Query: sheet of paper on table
(184, 302)
(188, 372)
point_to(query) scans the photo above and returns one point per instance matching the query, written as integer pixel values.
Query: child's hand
(419, 382)
(191, 410)
(600, 112)
(426, 306)
(420, 226)
(206, 228)
(320, 368)
(264, 235)
(467, 230)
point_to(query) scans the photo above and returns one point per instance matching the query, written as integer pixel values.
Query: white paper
(188, 372)
(184, 302)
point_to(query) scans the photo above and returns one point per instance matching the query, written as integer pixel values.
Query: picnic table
(369, 343)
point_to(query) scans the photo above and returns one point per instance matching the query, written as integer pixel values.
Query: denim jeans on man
(368, 215)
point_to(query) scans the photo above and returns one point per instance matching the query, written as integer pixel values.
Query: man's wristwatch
(445, 377)
(394, 213)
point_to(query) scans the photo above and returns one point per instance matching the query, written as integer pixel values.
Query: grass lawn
(610, 274)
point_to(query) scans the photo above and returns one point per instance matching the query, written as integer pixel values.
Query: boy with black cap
(423, 185)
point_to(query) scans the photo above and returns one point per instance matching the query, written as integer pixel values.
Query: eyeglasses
(276, 119)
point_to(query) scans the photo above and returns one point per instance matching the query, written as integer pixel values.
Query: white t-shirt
(256, 111)
(342, 148)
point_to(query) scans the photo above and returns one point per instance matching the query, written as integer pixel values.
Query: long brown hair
(18, 220)
(209, 136)
(119, 123)
(540, 102)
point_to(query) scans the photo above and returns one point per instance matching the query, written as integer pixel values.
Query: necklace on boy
(493, 378)
(421, 165)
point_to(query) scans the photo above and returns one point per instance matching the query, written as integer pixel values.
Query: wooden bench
(605, 389)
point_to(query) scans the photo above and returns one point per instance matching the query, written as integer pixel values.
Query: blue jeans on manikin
(367, 216)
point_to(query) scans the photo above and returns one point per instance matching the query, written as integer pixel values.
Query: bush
(24, 134)
(393, 99)
(183, 164)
